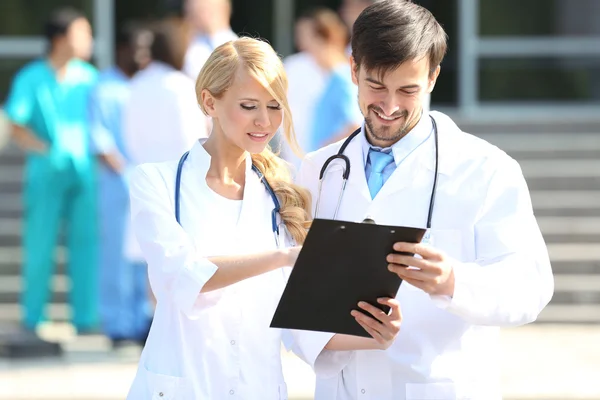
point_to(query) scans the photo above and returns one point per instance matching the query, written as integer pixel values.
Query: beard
(388, 133)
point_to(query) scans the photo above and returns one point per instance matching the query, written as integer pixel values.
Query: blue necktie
(379, 161)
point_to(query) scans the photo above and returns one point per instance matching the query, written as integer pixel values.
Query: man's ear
(354, 70)
(433, 79)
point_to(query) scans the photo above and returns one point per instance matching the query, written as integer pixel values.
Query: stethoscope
(346, 173)
(260, 176)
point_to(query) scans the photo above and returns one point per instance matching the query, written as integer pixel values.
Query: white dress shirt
(162, 119)
(215, 345)
(447, 348)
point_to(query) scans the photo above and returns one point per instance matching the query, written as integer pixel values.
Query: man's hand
(433, 272)
(383, 327)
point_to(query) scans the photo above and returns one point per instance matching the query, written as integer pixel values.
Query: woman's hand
(290, 255)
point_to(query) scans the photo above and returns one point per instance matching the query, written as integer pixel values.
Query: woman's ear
(208, 103)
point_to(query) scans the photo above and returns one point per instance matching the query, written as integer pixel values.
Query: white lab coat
(447, 348)
(162, 119)
(215, 345)
(201, 48)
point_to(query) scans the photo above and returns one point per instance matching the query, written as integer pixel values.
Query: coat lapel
(357, 177)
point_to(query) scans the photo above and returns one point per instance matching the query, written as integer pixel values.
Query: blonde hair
(264, 65)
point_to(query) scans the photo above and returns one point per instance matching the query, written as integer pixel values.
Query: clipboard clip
(369, 220)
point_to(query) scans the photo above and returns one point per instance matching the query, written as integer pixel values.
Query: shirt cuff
(190, 282)
(325, 363)
(463, 289)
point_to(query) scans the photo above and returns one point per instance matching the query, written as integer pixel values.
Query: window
(539, 17)
(27, 17)
(540, 79)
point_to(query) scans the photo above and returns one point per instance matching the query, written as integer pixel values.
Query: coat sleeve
(176, 268)
(511, 280)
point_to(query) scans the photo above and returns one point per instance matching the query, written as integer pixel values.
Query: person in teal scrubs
(47, 106)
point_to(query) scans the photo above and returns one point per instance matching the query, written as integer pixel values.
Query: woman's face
(247, 115)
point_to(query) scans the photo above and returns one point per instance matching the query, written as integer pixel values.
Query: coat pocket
(165, 387)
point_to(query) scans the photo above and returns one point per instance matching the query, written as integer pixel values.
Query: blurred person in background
(162, 119)
(306, 82)
(349, 11)
(124, 305)
(210, 22)
(47, 106)
(336, 113)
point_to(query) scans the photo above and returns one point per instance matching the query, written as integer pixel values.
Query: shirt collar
(200, 159)
(403, 147)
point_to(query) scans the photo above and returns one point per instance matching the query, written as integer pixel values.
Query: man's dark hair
(171, 40)
(59, 22)
(391, 32)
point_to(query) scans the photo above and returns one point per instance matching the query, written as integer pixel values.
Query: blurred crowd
(84, 131)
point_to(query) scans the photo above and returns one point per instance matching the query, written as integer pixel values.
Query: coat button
(363, 391)
(161, 394)
(232, 342)
(231, 392)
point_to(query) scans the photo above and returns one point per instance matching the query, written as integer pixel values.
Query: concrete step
(568, 212)
(565, 199)
(568, 313)
(556, 154)
(11, 288)
(57, 312)
(591, 267)
(573, 252)
(567, 267)
(560, 252)
(581, 226)
(586, 198)
(576, 289)
(561, 168)
(539, 143)
(577, 183)
(571, 290)
(556, 167)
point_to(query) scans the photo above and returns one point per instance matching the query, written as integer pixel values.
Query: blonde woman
(217, 270)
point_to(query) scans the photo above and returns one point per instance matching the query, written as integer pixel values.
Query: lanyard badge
(427, 239)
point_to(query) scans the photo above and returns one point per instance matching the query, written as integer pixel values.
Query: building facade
(508, 56)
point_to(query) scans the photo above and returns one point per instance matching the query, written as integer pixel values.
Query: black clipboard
(340, 264)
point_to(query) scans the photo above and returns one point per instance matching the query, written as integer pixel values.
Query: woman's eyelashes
(253, 107)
